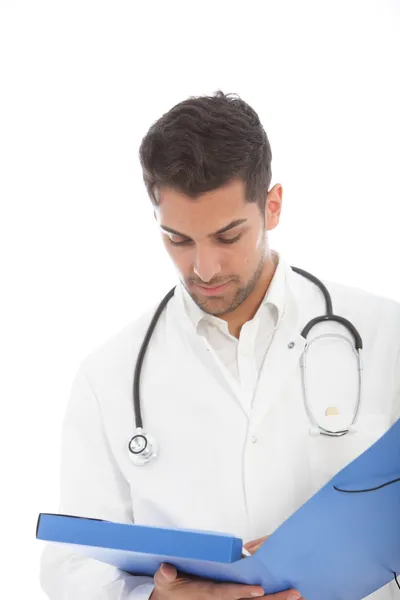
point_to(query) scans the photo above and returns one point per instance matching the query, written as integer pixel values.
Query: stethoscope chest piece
(316, 430)
(142, 448)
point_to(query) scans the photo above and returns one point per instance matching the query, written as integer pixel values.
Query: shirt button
(253, 439)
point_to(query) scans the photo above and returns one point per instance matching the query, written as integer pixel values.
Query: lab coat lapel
(203, 353)
(215, 366)
(282, 358)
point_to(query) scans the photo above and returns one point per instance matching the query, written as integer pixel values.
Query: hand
(169, 585)
(254, 545)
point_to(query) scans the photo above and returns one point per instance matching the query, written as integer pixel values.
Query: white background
(81, 254)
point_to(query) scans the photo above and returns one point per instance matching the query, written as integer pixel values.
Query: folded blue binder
(343, 543)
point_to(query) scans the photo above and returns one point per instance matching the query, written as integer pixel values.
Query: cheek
(251, 250)
(260, 240)
(252, 254)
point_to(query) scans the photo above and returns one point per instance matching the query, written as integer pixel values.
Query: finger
(169, 576)
(165, 574)
(254, 549)
(233, 591)
(261, 540)
(169, 572)
(253, 543)
(291, 594)
(280, 597)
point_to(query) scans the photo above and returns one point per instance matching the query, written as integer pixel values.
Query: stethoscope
(143, 447)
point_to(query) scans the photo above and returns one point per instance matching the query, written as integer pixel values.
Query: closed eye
(220, 240)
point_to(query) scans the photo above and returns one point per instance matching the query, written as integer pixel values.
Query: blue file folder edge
(139, 540)
(342, 543)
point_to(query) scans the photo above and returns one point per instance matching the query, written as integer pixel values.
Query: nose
(207, 264)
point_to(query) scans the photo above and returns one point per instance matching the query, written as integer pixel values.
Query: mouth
(213, 291)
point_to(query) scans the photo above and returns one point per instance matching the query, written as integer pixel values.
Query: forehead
(220, 205)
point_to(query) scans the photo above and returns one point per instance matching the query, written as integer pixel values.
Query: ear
(273, 206)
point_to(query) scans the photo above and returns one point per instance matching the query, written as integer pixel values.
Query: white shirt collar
(275, 296)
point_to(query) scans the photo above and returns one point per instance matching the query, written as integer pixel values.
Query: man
(221, 387)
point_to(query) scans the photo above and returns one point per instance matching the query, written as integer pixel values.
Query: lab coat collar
(274, 296)
(282, 359)
(285, 350)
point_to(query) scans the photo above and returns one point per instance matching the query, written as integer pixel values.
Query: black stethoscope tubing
(328, 316)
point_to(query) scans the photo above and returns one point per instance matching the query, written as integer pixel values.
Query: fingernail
(294, 596)
(257, 594)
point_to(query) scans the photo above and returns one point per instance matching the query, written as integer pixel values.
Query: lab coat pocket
(329, 455)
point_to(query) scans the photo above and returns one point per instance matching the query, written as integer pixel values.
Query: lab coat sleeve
(91, 485)
(395, 413)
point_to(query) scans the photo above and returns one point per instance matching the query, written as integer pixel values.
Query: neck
(246, 311)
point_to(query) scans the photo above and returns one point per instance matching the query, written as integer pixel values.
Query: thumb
(168, 571)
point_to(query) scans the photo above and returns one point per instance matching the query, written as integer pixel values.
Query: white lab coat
(220, 467)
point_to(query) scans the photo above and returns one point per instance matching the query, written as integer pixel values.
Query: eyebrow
(226, 228)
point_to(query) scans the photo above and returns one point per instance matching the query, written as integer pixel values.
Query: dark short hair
(205, 142)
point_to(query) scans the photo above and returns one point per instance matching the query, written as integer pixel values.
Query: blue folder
(343, 543)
